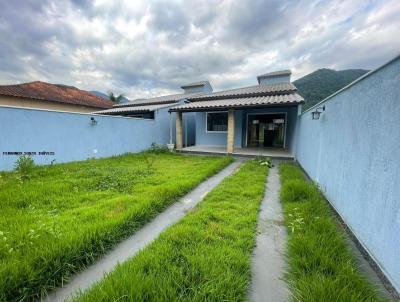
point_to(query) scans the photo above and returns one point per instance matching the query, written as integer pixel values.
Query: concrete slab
(276, 153)
(132, 245)
(268, 263)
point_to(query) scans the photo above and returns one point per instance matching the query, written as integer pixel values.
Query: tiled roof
(173, 98)
(55, 93)
(133, 109)
(195, 84)
(257, 90)
(282, 99)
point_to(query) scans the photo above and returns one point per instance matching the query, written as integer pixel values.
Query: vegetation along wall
(62, 136)
(352, 151)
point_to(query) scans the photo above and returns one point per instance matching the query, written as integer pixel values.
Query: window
(147, 115)
(217, 121)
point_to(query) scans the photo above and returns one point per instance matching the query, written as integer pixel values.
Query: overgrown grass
(321, 266)
(204, 257)
(66, 215)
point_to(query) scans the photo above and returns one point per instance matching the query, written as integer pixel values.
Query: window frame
(211, 131)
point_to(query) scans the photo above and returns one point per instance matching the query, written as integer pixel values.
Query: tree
(114, 98)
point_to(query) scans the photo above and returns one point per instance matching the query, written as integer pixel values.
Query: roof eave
(125, 105)
(223, 108)
(190, 86)
(123, 112)
(239, 96)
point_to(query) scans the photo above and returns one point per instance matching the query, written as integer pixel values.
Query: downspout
(170, 128)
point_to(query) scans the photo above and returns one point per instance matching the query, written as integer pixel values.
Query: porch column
(178, 130)
(230, 140)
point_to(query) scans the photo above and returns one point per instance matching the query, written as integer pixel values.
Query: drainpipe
(170, 128)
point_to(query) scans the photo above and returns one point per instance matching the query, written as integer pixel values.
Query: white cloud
(146, 48)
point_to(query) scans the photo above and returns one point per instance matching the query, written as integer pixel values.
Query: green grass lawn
(66, 215)
(204, 257)
(321, 266)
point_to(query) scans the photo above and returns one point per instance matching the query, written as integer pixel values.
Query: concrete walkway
(276, 153)
(132, 245)
(268, 262)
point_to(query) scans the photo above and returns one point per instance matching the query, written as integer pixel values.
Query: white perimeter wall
(353, 152)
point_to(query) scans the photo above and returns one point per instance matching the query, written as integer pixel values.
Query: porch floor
(245, 152)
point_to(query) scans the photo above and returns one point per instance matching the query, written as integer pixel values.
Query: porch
(276, 153)
(252, 121)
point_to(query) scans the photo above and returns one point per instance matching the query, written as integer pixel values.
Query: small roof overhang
(134, 109)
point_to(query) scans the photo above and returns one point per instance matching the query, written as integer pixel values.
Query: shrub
(264, 161)
(155, 148)
(24, 166)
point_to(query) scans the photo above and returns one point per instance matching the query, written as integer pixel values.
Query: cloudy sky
(146, 48)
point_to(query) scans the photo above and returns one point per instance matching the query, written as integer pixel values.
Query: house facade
(258, 118)
(42, 95)
(158, 109)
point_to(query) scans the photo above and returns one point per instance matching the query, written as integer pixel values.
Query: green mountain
(321, 83)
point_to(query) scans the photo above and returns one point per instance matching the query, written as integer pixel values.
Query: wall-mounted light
(93, 121)
(316, 114)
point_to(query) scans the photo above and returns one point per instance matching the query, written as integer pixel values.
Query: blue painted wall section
(217, 138)
(353, 153)
(163, 124)
(71, 136)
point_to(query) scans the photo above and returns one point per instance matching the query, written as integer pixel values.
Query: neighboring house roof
(173, 98)
(251, 91)
(134, 109)
(196, 84)
(281, 99)
(55, 93)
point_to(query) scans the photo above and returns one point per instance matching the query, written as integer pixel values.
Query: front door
(266, 130)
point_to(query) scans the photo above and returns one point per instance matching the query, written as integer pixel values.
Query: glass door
(266, 130)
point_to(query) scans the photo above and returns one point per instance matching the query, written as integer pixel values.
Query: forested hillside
(321, 83)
